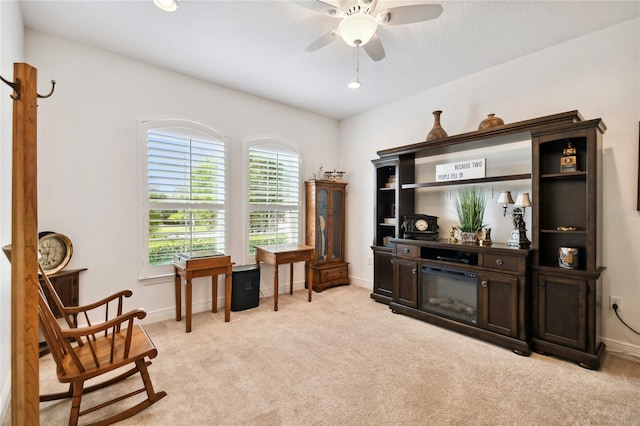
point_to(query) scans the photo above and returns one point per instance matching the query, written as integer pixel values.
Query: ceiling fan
(359, 21)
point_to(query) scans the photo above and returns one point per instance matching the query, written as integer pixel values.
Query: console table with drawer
(476, 290)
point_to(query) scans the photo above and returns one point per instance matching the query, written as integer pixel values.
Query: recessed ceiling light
(167, 5)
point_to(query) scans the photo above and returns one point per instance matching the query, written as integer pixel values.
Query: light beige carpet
(347, 360)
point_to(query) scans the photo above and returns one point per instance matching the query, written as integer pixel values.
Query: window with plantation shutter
(185, 193)
(274, 196)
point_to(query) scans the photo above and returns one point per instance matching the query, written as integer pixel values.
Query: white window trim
(161, 274)
(278, 143)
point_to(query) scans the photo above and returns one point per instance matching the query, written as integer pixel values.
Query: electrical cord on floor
(615, 309)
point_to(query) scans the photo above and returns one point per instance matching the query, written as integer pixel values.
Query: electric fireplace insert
(450, 293)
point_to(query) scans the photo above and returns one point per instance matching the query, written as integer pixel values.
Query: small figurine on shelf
(452, 235)
(568, 161)
(485, 237)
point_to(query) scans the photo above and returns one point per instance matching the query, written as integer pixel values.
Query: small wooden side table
(187, 269)
(278, 254)
(67, 285)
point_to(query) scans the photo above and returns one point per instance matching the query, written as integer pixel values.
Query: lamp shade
(523, 200)
(505, 198)
(357, 29)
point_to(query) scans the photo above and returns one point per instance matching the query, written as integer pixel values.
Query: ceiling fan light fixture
(354, 85)
(167, 5)
(357, 29)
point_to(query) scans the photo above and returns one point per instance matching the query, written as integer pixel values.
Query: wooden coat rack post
(25, 395)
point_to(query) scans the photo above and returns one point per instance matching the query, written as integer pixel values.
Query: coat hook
(53, 87)
(15, 86)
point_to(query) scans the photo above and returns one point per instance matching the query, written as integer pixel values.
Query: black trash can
(245, 289)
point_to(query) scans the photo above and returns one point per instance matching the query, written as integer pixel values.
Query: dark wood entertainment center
(518, 298)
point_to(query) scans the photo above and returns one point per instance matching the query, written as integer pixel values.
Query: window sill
(156, 279)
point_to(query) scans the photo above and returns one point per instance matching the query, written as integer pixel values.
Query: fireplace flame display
(450, 292)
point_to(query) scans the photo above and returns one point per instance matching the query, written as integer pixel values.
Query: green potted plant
(470, 207)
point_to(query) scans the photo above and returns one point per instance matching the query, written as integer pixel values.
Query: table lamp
(518, 236)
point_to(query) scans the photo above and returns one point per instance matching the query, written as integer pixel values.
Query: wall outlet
(369, 260)
(617, 300)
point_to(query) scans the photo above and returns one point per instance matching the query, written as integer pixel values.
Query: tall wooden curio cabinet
(566, 266)
(325, 218)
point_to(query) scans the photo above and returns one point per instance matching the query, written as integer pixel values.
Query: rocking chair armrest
(74, 310)
(95, 329)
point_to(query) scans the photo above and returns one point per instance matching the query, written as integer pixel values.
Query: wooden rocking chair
(87, 352)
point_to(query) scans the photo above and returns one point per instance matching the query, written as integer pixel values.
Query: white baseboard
(612, 346)
(205, 305)
(622, 348)
(360, 282)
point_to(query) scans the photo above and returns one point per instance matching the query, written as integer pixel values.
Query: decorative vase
(490, 121)
(568, 257)
(437, 132)
(468, 237)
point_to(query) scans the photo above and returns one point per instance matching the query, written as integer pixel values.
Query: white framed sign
(461, 170)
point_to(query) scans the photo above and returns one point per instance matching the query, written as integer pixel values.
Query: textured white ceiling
(258, 46)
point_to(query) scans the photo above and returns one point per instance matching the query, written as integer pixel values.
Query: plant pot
(468, 237)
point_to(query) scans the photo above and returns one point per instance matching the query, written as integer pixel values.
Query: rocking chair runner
(83, 353)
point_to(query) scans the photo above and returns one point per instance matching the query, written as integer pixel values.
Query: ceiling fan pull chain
(356, 84)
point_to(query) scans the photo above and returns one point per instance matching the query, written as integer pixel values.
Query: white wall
(597, 74)
(88, 159)
(11, 51)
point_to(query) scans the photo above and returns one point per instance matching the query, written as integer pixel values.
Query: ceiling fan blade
(319, 6)
(409, 14)
(322, 41)
(374, 48)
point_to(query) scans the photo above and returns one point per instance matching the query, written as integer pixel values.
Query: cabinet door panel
(499, 304)
(562, 310)
(406, 282)
(67, 285)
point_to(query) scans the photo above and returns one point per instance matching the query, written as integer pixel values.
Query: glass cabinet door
(322, 243)
(336, 224)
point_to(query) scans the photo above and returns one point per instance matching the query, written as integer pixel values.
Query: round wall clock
(55, 251)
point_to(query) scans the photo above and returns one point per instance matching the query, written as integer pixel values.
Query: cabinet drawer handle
(406, 250)
(499, 262)
(484, 283)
